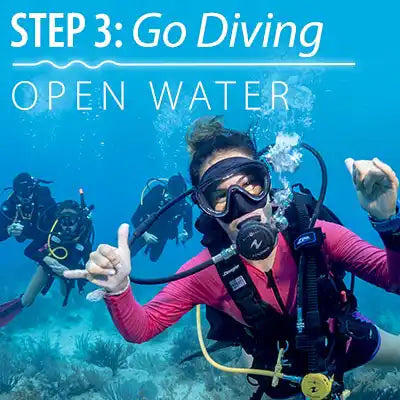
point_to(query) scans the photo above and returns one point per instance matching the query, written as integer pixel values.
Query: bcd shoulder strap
(243, 292)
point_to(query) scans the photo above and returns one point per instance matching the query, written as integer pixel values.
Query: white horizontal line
(183, 64)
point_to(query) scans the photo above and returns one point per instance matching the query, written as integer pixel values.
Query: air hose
(224, 368)
(59, 248)
(224, 255)
(149, 221)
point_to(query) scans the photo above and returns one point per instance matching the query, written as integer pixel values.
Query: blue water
(111, 154)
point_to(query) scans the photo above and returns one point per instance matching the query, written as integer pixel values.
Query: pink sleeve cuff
(121, 299)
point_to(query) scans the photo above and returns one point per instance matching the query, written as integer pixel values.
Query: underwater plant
(184, 343)
(26, 392)
(68, 380)
(41, 353)
(151, 363)
(118, 391)
(95, 378)
(130, 390)
(107, 353)
(10, 373)
(82, 345)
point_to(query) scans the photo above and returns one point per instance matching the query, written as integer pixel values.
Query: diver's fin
(10, 310)
(212, 349)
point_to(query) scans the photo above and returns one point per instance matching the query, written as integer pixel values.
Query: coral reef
(374, 384)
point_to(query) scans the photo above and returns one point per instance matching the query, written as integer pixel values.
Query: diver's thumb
(123, 236)
(349, 165)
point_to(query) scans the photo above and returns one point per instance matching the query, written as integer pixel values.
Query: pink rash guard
(138, 323)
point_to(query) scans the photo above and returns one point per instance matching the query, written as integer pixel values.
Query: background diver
(21, 215)
(167, 227)
(256, 297)
(67, 246)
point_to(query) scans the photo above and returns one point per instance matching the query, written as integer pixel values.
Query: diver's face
(243, 181)
(69, 229)
(24, 190)
(69, 223)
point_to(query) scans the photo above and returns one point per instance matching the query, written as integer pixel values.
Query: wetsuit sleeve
(139, 324)
(150, 204)
(381, 267)
(35, 250)
(4, 220)
(188, 220)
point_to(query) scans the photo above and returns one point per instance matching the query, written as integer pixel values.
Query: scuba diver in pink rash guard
(276, 290)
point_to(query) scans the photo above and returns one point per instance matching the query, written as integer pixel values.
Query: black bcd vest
(318, 350)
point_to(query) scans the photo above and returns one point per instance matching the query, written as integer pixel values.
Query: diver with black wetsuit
(165, 228)
(21, 215)
(66, 246)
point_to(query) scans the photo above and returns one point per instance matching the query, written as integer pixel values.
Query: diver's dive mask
(24, 190)
(232, 188)
(68, 222)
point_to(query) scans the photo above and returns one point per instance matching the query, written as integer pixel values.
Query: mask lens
(25, 190)
(215, 196)
(251, 179)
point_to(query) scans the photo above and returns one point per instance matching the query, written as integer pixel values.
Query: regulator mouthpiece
(255, 240)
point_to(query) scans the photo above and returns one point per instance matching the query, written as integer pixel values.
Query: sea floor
(50, 352)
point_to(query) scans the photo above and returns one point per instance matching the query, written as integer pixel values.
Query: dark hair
(208, 136)
(176, 184)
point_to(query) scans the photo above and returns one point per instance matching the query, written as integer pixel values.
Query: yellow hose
(60, 248)
(224, 368)
(314, 386)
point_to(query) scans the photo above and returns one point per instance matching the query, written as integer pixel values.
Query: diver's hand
(376, 185)
(55, 265)
(108, 266)
(150, 238)
(183, 237)
(15, 229)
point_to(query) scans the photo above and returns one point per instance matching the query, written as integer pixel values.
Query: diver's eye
(219, 201)
(253, 189)
(250, 184)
